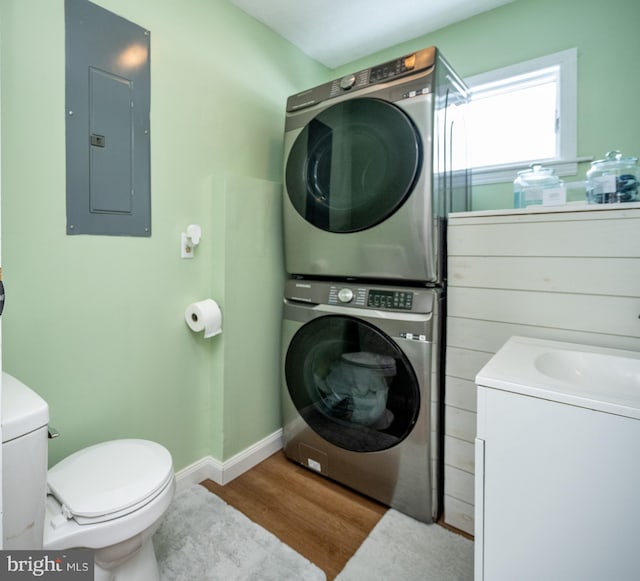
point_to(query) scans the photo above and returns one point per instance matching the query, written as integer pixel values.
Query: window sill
(509, 172)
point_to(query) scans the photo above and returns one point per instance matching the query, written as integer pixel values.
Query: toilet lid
(110, 477)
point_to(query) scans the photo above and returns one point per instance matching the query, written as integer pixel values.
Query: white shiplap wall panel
(464, 363)
(461, 394)
(460, 483)
(460, 424)
(459, 513)
(599, 276)
(475, 334)
(565, 234)
(522, 239)
(591, 313)
(562, 275)
(459, 453)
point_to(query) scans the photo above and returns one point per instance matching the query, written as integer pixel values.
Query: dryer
(374, 161)
(359, 391)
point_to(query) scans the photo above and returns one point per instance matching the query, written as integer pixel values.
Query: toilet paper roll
(204, 316)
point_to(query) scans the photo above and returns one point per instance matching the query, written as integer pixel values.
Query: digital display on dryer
(392, 69)
(390, 299)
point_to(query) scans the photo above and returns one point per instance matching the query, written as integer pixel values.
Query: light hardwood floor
(318, 518)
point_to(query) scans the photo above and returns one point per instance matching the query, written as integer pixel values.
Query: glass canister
(530, 185)
(613, 179)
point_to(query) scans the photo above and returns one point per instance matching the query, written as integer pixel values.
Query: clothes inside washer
(358, 387)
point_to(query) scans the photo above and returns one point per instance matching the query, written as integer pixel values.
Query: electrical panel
(107, 123)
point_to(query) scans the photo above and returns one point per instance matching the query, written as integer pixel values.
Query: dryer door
(352, 384)
(353, 165)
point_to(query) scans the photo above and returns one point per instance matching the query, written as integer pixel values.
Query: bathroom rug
(205, 539)
(400, 547)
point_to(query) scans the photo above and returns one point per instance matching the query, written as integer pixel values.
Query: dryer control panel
(384, 73)
(375, 298)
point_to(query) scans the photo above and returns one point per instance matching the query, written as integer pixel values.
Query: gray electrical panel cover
(107, 123)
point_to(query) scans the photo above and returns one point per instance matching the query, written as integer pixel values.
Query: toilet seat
(109, 480)
(136, 525)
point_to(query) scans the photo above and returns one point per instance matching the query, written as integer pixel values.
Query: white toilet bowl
(109, 497)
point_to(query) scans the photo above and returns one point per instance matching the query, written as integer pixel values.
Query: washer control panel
(357, 295)
(372, 298)
(387, 299)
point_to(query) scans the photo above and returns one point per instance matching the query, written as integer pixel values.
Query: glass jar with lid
(613, 179)
(530, 185)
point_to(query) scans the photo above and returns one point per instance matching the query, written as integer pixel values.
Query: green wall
(608, 42)
(95, 324)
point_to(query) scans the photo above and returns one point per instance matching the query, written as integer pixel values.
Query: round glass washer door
(352, 384)
(353, 165)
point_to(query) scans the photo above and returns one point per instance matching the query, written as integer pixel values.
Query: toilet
(109, 497)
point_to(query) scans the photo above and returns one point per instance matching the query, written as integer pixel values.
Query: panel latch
(97, 140)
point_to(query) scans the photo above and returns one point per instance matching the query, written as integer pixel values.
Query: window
(522, 114)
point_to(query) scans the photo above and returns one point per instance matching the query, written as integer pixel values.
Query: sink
(592, 371)
(585, 375)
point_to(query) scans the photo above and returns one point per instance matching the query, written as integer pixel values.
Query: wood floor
(319, 519)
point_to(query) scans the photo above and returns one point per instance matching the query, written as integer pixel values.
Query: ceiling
(335, 32)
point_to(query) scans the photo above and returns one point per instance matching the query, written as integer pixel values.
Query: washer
(369, 171)
(360, 396)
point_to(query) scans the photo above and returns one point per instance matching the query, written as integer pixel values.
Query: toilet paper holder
(189, 240)
(204, 316)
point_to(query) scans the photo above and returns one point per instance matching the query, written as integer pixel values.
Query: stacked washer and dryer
(371, 172)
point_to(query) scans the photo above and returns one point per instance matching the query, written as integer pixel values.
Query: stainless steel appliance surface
(360, 388)
(371, 169)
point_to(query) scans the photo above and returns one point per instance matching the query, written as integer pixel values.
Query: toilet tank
(25, 416)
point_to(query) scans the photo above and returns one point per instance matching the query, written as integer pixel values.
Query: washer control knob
(345, 295)
(347, 82)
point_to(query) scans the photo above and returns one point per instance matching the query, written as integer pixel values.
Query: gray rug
(400, 547)
(203, 538)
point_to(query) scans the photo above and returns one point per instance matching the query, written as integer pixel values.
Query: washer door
(353, 165)
(352, 384)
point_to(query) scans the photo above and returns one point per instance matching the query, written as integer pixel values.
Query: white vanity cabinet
(557, 494)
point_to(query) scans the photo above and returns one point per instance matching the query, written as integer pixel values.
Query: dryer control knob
(347, 82)
(345, 295)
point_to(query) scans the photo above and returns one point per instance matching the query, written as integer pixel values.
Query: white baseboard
(224, 472)
(205, 468)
